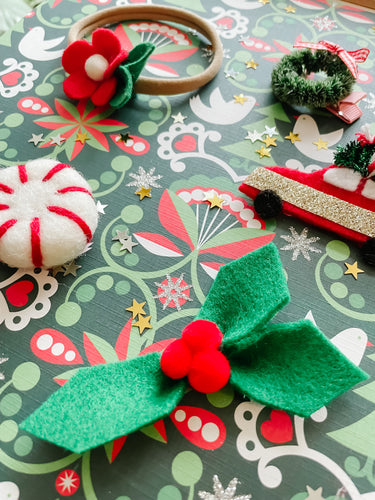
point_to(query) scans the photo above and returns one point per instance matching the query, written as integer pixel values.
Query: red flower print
(91, 67)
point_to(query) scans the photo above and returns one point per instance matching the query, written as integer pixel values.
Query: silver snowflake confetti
(36, 139)
(172, 292)
(145, 179)
(208, 53)
(370, 101)
(300, 244)
(323, 23)
(2, 360)
(221, 494)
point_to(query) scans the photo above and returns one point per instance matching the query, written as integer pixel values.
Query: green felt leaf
(128, 73)
(124, 89)
(294, 367)
(245, 295)
(104, 402)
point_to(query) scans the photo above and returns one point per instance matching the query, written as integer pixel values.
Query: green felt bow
(290, 366)
(128, 72)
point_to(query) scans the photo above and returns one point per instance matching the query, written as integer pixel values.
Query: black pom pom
(368, 252)
(268, 204)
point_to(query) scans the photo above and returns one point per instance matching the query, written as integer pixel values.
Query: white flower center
(95, 67)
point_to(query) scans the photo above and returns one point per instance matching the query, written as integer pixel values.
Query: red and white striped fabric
(47, 214)
(350, 58)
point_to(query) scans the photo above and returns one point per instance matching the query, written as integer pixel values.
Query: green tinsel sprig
(355, 156)
(289, 82)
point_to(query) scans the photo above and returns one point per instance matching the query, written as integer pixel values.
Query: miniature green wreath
(290, 85)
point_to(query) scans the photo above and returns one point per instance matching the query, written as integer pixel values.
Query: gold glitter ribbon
(314, 201)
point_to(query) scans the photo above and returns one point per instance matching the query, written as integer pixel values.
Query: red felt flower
(91, 66)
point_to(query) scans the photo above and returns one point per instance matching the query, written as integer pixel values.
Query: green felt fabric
(294, 367)
(128, 73)
(245, 295)
(104, 402)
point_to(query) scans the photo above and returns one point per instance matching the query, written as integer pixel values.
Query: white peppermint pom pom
(47, 214)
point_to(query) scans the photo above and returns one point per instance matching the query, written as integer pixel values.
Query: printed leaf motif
(157, 244)
(178, 218)
(122, 344)
(311, 4)
(64, 377)
(156, 431)
(354, 14)
(98, 350)
(201, 427)
(113, 448)
(54, 347)
(34, 105)
(157, 346)
(235, 243)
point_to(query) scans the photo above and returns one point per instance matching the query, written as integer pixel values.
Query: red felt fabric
(104, 92)
(197, 356)
(79, 85)
(316, 181)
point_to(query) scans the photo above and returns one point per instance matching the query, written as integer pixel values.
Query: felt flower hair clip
(101, 70)
(231, 340)
(339, 198)
(105, 73)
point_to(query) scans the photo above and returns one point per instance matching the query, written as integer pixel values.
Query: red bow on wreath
(350, 58)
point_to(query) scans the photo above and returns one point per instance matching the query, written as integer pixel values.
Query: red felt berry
(209, 372)
(201, 335)
(176, 360)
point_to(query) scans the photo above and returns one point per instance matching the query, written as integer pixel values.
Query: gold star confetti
(143, 192)
(137, 308)
(290, 9)
(251, 64)
(57, 269)
(143, 323)
(264, 1)
(215, 201)
(82, 138)
(320, 144)
(124, 138)
(269, 141)
(292, 137)
(241, 99)
(263, 152)
(353, 269)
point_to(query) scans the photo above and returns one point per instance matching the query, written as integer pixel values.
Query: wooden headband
(157, 86)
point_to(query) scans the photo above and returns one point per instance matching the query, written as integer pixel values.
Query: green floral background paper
(185, 148)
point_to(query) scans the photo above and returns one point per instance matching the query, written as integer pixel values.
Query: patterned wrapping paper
(186, 148)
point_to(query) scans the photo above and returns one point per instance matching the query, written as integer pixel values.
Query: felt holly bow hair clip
(106, 73)
(290, 366)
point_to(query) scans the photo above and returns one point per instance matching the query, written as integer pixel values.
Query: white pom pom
(95, 67)
(47, 214)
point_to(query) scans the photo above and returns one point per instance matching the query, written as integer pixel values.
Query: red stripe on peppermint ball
(176, 360)
(45, 236)
(209, 372)
(201, 335)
